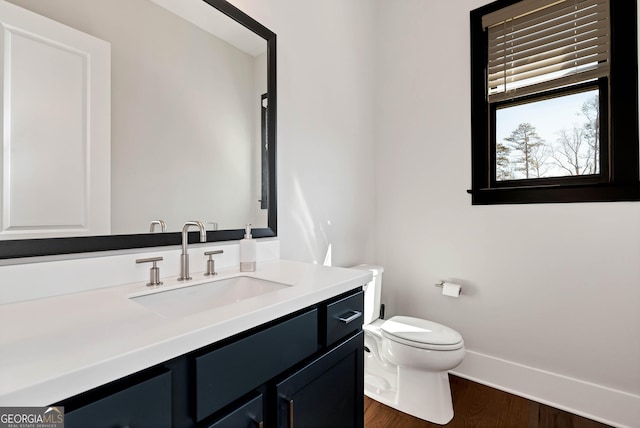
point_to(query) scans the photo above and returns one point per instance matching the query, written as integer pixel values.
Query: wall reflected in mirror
(187, 113)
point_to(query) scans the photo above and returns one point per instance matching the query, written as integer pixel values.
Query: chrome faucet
(184, 257)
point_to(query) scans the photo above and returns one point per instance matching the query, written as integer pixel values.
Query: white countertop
(57, 347)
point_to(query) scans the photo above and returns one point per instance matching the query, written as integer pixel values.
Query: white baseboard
(602, 404)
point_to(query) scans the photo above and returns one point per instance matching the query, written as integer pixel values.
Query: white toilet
(407, 359)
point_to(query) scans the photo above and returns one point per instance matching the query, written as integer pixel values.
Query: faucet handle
(211, 264)
(154, 273)
(161, 223)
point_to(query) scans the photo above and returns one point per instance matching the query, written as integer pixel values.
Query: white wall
(325, 126)
(547, 288)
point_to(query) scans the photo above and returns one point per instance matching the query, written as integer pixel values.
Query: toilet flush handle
(347, 319)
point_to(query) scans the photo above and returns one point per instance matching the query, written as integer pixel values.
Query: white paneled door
(55, 162)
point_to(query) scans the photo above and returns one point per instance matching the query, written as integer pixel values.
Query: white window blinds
(537, 45)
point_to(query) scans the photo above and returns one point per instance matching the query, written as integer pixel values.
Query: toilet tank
(372, 293)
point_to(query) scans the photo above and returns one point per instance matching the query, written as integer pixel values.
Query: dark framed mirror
(264, 172)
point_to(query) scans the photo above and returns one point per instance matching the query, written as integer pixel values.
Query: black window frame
(618, 179)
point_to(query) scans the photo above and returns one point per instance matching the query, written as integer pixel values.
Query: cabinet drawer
(145, 404)
(226, 374)
(248, 415)
(344, 317)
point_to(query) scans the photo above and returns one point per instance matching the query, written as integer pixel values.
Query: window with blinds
(554, 101)
(537, 45)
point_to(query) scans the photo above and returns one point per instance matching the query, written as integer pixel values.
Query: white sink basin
(178, 302)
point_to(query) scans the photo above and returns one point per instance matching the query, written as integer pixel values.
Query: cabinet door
(326, 393)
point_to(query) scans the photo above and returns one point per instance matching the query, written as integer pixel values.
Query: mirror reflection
(187, 122)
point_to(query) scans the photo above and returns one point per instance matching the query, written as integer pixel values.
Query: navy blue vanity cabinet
(305, 369)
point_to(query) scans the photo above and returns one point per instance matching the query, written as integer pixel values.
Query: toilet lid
(421, 333)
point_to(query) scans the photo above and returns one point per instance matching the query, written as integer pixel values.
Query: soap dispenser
(247, 252)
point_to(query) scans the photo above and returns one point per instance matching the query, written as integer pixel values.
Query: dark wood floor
(480, 406)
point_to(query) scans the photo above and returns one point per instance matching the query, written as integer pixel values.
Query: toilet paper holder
(441, 284)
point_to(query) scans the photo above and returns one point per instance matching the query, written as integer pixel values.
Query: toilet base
(425, 395)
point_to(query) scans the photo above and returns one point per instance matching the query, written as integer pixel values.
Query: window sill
(556, 194)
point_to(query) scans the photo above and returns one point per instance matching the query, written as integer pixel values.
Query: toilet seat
(420, 333)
